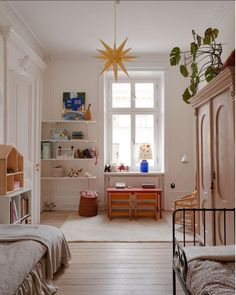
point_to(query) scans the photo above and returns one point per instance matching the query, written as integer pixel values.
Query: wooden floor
(118, 269)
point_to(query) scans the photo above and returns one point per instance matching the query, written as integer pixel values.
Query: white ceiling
(69, 27)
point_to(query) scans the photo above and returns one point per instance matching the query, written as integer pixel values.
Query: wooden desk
(134, 191)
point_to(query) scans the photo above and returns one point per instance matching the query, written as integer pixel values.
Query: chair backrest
(188, 201)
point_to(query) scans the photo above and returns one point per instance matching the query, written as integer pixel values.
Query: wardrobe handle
(37, 167)
(212, 180)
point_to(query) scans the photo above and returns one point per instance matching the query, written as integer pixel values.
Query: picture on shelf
(73, 105)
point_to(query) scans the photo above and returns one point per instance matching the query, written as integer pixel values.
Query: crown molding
(225, 80)
(13, 27)
(10, 35)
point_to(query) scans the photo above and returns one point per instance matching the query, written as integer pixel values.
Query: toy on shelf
(78, 173)
(113, 167)
(74, 173)
(88, 153)
(123, 168)
(59, 134)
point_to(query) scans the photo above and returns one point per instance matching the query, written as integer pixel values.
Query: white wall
(82, 74)
(1, 90)
(227, 33)
(179, 138)
(73, 74)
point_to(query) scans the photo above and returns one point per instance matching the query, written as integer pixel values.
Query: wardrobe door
(223, 155)
(204, 167)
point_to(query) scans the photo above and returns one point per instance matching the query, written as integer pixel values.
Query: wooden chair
(146, 205)
(119, 204)
(188, 201)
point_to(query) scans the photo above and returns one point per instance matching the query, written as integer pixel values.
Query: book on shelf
(14, 212)
(24, 207)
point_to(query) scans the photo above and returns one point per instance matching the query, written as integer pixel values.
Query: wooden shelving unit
(15, 199)
(54, 188)
(15, 207)
(11, 169)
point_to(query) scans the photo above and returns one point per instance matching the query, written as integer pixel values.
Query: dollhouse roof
(5, 151)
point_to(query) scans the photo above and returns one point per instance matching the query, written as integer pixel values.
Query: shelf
(21, 219)
(69, 121)
(70, 178)
(82, 159)
(147, 174)
(15, 173)
(16, 192)
(70, 140)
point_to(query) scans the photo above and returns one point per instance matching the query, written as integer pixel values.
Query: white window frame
(157, 111)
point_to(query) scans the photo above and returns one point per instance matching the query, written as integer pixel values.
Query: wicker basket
(88, 206)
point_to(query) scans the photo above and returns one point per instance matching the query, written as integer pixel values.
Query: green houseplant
(201, 63)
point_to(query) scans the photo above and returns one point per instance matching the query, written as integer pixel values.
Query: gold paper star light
(115, 57)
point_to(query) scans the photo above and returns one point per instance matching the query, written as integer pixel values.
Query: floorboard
(118, 269)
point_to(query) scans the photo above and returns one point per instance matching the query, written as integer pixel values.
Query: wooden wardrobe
(215, 150)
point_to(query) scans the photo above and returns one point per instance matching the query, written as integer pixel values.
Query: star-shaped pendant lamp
(115, 57)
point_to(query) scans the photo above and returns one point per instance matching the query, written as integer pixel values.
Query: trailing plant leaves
(209, 74)
(208, 32)
(175, 56)
(186, 95)
(215, 33)
(199, 40)
(184, 70)
(194, 48)
(194, 69)
(207, 39)
(202, 49)
(192, 87)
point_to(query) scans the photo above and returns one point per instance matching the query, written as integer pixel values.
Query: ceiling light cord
(115, 3)
(115, 23)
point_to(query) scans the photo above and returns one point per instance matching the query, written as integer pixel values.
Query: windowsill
(134, 173)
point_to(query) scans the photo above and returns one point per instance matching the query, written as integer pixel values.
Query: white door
(24, 100)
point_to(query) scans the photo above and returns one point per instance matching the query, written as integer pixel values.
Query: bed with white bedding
(201, 268)
(29, 257)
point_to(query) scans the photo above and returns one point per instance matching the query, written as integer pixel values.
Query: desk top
(134, 189)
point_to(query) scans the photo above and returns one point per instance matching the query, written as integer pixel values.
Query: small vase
(87, 114)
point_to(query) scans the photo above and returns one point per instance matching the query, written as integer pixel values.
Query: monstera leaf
(175, 56)
(201, 62)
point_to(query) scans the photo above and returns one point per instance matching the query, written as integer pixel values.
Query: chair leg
(110, 213)
(155, 213)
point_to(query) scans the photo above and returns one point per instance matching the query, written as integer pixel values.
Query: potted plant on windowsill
(201, 63)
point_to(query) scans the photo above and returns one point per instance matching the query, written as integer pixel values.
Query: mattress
(211, 277)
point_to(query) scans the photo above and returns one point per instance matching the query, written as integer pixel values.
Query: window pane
(144, 133)
(144, 95)
(121, 139)
(121, 95)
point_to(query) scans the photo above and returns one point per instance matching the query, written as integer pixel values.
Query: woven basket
(88, 206)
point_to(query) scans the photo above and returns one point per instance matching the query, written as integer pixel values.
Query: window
(133, 116)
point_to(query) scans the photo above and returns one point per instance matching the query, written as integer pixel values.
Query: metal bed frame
(179, 262)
